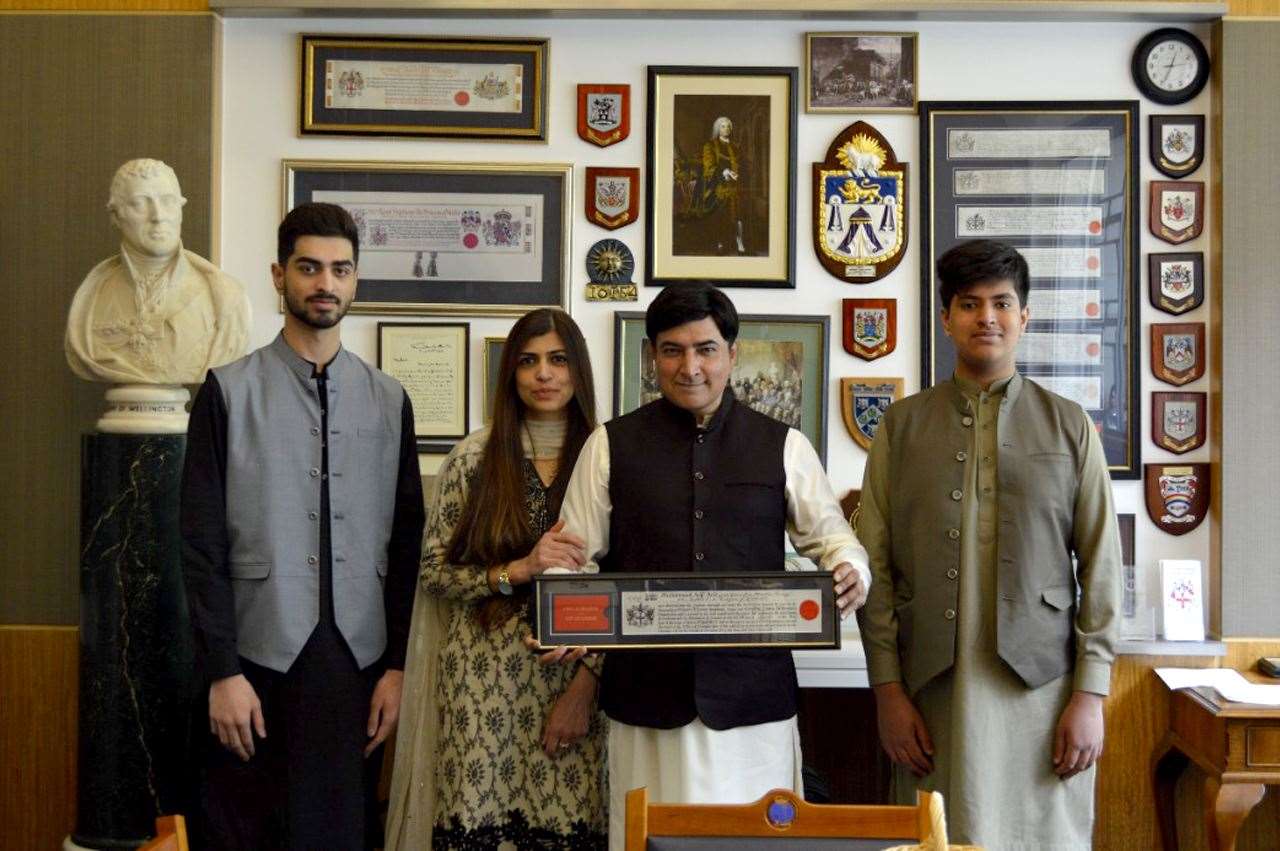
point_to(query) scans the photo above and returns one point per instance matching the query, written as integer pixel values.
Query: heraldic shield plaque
(1177, 351)
(860, 221)
(604, 113)
(1177, 210)
(870, 326)
(1178, 421)
(1176, 281)
(1177, 143)
(613, 196)
(1177, 496)
(682, 611)
(863, 402)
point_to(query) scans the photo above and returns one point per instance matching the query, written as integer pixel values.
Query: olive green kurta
(992, 736)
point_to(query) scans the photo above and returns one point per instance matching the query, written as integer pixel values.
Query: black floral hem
(516, 833)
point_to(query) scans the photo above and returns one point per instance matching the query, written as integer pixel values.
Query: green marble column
(137, 681)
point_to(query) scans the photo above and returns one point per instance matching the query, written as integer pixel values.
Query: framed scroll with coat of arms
(1059, 182)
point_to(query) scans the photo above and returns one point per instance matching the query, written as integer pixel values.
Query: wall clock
(1170, 66)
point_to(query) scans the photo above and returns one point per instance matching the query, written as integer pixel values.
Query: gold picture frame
(728, 220)
(460, 88)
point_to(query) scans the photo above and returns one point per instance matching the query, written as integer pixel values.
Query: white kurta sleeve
(587, 506)
(816, 525)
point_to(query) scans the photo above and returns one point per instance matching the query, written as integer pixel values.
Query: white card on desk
(1183, 597)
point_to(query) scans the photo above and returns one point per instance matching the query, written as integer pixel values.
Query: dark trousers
(308, 786)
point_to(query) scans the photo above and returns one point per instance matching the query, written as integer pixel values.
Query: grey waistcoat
(1039, 458)
(273, 499)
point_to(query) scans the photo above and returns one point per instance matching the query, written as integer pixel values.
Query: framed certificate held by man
(687, 611)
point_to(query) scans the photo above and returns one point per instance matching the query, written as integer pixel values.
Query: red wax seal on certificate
(1092, 262)
(470, 240)
(1093, 349)
(1095, 226)
(577, 613)
(809, 609)
(461, 98)
(1092, 308)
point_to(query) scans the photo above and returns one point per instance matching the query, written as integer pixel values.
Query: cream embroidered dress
(470, 769)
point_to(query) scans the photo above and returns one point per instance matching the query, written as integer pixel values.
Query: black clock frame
(1139, 66)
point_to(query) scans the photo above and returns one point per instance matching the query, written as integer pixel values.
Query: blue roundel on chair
(781, 813)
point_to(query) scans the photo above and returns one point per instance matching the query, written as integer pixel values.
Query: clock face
(1172, 66)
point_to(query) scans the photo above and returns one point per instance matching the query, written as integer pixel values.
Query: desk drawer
(1262, 747)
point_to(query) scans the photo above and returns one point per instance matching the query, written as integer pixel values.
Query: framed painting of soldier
(483, 239)
(861, 72)
(720, 199)
(1059, 182)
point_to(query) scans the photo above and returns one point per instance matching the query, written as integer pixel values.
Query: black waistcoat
(697, 499)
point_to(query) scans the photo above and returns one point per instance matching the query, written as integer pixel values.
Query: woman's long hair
(494, 525)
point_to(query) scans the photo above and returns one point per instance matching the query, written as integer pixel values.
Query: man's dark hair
(316, 219)
(981, 261)
(682, 303)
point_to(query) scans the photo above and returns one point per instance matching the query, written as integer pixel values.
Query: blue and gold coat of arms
(860, 192)
(863, 402)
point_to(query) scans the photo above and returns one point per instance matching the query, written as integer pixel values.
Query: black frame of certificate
(530, 124)
(553, 181)
(443, 441)
(627, 324)
(1116, 243)
(720, 271)
(608, 636)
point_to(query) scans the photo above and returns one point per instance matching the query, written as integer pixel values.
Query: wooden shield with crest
(1176, 143)
(1176, 281)
(1178, 421)
(863, 402)
(1177, 351)
(870, 326)
(1177, 496)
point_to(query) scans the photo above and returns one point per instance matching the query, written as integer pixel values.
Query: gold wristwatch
(504, 582)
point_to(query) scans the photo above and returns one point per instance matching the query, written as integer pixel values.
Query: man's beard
(327, 320)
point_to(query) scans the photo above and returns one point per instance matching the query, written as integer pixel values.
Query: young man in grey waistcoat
(302, 529)
(989, 650)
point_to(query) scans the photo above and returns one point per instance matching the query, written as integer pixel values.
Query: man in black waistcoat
(697, 481)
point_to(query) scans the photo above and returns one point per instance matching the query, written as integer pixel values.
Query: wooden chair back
(171, 835)
(779, 815)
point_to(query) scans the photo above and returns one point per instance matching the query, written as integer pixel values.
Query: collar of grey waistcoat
(961, 404)
(304, 368)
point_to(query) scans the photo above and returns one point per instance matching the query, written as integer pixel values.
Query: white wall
(958, 61)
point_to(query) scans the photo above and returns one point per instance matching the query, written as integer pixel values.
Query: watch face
(1172, 65)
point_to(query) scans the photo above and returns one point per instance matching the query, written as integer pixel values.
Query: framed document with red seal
(684, 611)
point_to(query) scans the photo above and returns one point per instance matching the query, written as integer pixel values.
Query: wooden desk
(1236, 745)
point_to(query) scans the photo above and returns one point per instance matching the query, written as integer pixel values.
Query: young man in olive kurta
(988, 650)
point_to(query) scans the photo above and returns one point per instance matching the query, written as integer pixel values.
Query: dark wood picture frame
(1096, 264)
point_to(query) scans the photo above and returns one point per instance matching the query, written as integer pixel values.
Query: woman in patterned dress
(496, 751)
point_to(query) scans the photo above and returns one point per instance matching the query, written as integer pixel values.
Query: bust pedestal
(137, 683)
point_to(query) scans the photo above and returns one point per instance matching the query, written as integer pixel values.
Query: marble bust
(155, 313)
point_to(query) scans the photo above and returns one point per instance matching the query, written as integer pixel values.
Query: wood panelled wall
(85, 94)
(39, 690)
